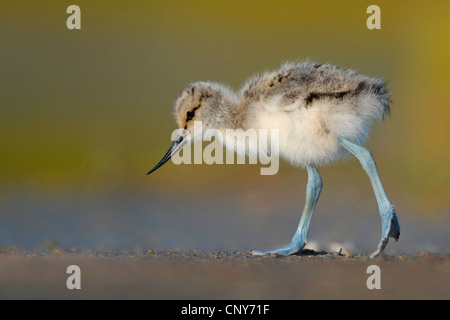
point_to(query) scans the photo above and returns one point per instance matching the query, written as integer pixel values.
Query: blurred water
(138, 222)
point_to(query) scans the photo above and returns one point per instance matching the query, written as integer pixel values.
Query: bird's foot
(391, 228)
(291, 248)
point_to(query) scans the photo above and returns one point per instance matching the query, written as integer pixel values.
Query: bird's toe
(381, 245)
(291, 248)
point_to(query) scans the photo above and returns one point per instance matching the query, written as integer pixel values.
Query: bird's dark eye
(190, 114)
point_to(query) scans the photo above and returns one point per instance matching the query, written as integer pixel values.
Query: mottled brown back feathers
(309, 82)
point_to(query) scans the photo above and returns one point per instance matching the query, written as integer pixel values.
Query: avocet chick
(323, 113)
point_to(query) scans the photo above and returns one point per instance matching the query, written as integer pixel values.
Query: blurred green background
(89, 112)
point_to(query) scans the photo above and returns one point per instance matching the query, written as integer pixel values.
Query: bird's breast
(304, 135)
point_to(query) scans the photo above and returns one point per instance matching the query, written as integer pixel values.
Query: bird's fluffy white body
(310, 135)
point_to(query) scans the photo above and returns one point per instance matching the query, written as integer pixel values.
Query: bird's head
(203, 104)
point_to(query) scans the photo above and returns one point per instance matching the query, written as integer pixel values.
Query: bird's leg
(389, 222)
(299, 240)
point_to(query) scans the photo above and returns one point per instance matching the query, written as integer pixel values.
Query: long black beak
(176, 146)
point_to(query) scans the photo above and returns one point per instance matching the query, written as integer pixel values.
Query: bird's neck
(226, 114)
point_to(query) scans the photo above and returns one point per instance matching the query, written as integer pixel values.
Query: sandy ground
(220, 275)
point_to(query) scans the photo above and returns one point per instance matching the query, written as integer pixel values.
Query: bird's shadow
(309, 252)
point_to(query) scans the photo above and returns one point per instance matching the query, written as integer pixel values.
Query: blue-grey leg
(389, 222)
(300, 237)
